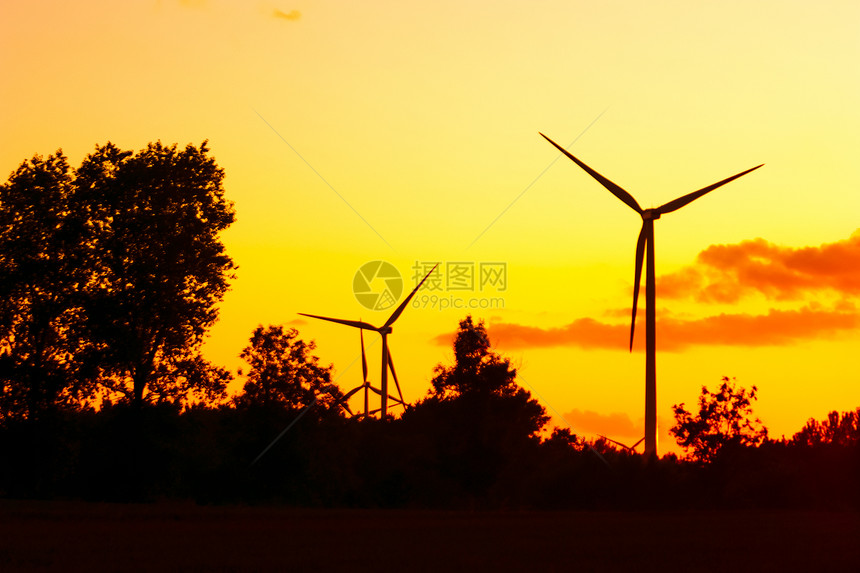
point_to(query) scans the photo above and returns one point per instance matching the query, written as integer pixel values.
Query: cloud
(726, 273)
(723, 274)
(297, 322)
(614, 425)
(775, 328)
(624, 312)
(582, 332)
(446, 339)
(292, 15)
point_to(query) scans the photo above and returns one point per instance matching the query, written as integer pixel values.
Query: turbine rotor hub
(385, 330)
(652, 214)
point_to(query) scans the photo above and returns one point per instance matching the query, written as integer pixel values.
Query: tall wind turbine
(646, 240)
(384, 331)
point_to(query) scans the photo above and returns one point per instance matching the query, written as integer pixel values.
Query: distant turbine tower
(646, 238)
(384, 331)
(366, 386)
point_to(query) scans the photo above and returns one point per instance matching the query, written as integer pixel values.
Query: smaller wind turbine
(384, 331)
(367, 387)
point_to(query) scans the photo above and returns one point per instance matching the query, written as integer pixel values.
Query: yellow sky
(424, 118)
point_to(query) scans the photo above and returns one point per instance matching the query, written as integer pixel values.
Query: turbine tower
(645, 245)
(367, 387)
(384, 331)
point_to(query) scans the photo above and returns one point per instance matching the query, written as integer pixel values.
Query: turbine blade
(642, 439)
(343, 401)
(625, 446)
(354, 323)
(612, 187)
(349, 394)
(363, 357)
(637, 278)
(396, 401)
(394, 375)
(396, 314)
(690, 197)
(378, 392)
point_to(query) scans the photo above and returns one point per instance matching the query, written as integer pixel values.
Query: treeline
(474, 442)
(110, 276)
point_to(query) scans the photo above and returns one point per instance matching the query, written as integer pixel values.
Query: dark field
(77, 536)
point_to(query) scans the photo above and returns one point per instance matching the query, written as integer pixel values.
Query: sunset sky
(408, 132)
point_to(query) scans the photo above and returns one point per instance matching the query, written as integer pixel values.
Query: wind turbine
(366, 386)
(646, 239)
(384, 331)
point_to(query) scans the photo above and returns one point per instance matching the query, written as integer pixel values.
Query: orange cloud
(292, 15)
(616, 424)
(726, 273)
(776, 328)
(582, 332)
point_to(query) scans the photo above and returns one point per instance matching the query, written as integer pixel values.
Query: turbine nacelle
(650, 214)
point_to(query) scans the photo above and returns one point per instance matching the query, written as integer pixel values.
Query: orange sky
(406, 132)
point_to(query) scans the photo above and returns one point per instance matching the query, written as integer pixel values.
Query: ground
(76, 536)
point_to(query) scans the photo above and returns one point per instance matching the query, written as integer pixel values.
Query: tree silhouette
(159, 269)
(282, 371)
(477, 369)
(839, 430)
(480, 376)
(723, 419)
(482, 425)
(41, 281)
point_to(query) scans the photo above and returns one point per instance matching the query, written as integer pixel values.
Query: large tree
(477, 369)
(159, 268)
(480, 427)
(42, 280)
(282, 371)
(483, 378)
(724, 418)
